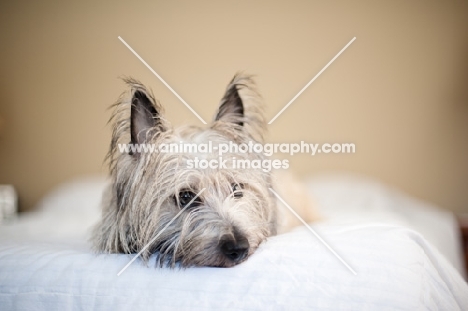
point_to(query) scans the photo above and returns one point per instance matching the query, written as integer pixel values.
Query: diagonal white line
(313, 79)
(314, 233)
(159, 233)
(161, 79)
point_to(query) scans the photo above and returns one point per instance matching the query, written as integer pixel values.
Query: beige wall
(399, 92)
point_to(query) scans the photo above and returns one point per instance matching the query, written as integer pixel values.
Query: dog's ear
(231, 108)
(145, 115)
(241, 108)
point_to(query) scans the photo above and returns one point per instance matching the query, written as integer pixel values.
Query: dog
(191, 216)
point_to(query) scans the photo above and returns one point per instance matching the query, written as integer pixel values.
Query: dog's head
(215, 215)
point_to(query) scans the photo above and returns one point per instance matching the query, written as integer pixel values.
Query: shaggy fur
(144, 194)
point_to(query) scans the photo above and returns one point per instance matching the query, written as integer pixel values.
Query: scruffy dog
(225, 223)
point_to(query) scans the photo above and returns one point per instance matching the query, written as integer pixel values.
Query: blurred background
(399, 92)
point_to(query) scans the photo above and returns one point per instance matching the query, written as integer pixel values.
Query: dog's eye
(185, 196)
(237, 190)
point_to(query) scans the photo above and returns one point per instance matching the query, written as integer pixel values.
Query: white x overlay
(271, 121)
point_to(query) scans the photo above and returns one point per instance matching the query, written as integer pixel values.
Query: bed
(406, 254)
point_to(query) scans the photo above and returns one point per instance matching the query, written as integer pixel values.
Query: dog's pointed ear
(241, 109)
(145, 115)
(231, 108)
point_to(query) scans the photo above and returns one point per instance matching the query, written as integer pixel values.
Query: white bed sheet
(49, 266)
(351, 199)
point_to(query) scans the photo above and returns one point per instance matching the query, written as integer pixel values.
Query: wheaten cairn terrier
(221, 227)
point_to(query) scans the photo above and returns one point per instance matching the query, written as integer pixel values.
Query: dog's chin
(218, 260)
(221, 261)
(229, 263)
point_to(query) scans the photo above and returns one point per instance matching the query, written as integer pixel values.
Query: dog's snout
(235, 250)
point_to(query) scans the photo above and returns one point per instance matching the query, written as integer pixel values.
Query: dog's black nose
(235, 250)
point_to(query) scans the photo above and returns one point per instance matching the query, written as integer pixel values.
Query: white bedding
(45, 262)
